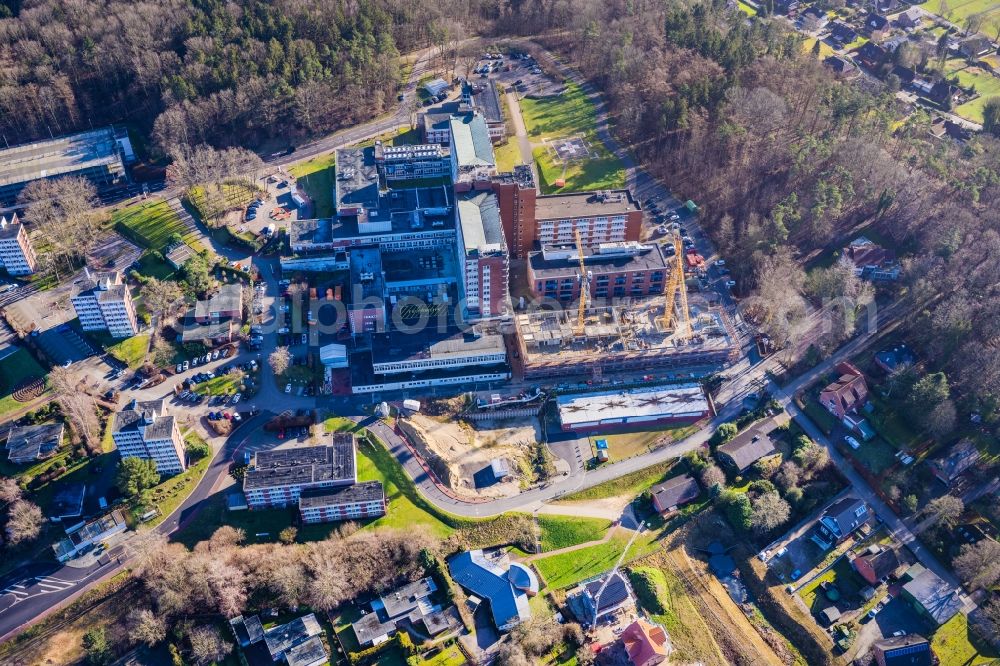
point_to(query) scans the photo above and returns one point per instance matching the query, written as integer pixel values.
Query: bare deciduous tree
(207, 645)
(24, 521)
(144, 626)
(62, 214)
(279, 360)
(769, 512)
(979, 564)
(78, 406)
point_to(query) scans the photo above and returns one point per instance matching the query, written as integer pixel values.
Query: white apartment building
(144, 430)
(105, 304)
(17, 256)
(482, 252)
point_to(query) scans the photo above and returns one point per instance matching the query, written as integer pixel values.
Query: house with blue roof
(492, 579)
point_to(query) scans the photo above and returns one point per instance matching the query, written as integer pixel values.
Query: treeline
(786, 161)
(207, 71)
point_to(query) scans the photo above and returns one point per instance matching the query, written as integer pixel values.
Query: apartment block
(516, 197)
(144, 430)
(104, 303)
(17, 256)
(482, 253)
(606, 216)
(357, 502)
(279, 477)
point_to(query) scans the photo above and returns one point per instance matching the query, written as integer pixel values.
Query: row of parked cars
(213, 355)
(252, 209)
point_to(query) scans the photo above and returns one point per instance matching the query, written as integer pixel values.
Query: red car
(281, 434)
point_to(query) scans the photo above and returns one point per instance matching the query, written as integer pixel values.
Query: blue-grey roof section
(507, 589)
(471, 141)
(479, 217)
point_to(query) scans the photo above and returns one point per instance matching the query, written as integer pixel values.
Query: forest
(206, 71)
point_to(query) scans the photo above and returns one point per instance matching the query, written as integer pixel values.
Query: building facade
(482, 254)
(403, 163)
(105, 304)
(600, 217)
(516, 195)
(279, 477)
(144, 430)
(614, 270)
(357, 502)
(17, 256)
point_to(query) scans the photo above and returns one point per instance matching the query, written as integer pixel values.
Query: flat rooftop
(366, 271)
(407, 210)
(356, 182)
(401, 346)
(405, 153)
(410, 269)
(471, 143)
(363, 372)
(684, 400)
(55, 157)
(605, 258)
(486, 100)
(479, 218)
(304, 466)
(585, 204)
(366, 491)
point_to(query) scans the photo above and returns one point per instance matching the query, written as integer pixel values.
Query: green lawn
(214, 200)
(14, 369)
(876, 454)
(562, 531)
(825, 49)
(152, 223)
(841, 574)
(172, 492)
(891, 426)
(131, 351)
(747, 9)
(957, 11)
(566, 569)
(986, 85)
(222, 385)
(508, 155)
(952, 643)
(570, 114)
(153, 266)
(315, 177)
(630, 484)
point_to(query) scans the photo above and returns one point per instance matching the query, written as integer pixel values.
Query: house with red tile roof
(646, 643)
(847, 394)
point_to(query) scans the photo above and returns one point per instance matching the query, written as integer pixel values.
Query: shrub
(723, 434)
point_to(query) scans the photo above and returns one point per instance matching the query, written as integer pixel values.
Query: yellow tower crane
(676, 316)
(584, 285)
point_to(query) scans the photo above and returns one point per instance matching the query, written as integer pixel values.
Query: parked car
(180, 368)
(288, 388)
(236, 398)
(731, 284)
(853, 443)
(305, 337)
(675, 217)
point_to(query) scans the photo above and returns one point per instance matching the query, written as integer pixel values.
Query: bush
(645, 591)
(737, 509)
(723, 434)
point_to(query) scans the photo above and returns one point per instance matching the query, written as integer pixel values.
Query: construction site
(628, 335)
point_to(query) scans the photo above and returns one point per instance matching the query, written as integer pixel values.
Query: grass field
(841, 574)
(876, 454)
(508, 155)
(825, 49)
(630, 484)
(151, 265)
(952, 643)
(562, 531)
(627, 444)
(566, 569)
(316, 179)
(131, 351)
(957, 11)
(13, 370)
(570, 114)
(986, 85)
(213, 202)
(153, 223)
(747, 9)
(172, 492)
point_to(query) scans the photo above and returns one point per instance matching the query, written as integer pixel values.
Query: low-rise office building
(407, 605)
(588, 412)
(614, 270)
(279, 477)
(144, 430)
(17, 257)
(483, 98)
(358, 502)
(104, 303)
(366, 311)
(407, 162)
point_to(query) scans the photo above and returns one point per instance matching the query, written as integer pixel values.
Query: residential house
(944, 93)
(959, 459)
(911, 19)
(871, 55)
(871, 261)
(673, 493)
(81, 536)
(841, 33)
(748, 447)
(886, 6)
(847, 394)
(931, 596)
(615, 595)
(839, 520)
(814, 18)
(876, 566)
(897, 357)
(216, 319)
(410, 604)
(789, 8)
(296, 643)
(840, 66)
(905, 75)
(27, 444)
(974, 47)
(908, 650)
(894, 42)
(144, 430)
(877, 26)
(647, 644)
(506, 586)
